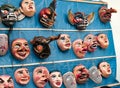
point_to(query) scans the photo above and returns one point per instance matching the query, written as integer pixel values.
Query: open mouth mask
(41, 45)
(105, 14)
(22, 76)
(81, 74)
(55, 79)
(6, 81)
(69, 80)
(47, 15)
(80, 20)
(3, 44)
(20, 48)
(40, 76)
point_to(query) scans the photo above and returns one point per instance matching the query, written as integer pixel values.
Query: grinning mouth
(67, 45)
(21, 53)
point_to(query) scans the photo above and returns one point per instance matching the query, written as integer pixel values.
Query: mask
(81, 74)
(41, 45)
(47, 15)
(79, 48)
(20, 48)
(103, 40)
(3, 44)
(6, 81)
(40, 76)
(105, 14)
(69, 80)
(22, 76)
(64, 42)
(55, 79)
(80, 20)
(8, 15)
(105, 69)
(91, 42)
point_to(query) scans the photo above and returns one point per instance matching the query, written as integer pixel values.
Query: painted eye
(26, 45)
(26, 3)
(53, 76)
(10, 80)
(17, 46)
(1, 81)
(101, 36)
(20, 72)
(62, 38)
(40, 71)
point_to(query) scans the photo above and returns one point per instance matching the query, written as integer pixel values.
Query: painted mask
(81, 74)
(6, 81)
(28, 7)
(55, 79)
(3, 44)
(8, 15)
(95, 75)
(105, 69)
(69, 80)
(105, 14)
(91, 42)
(20, 48)
(80, 20)
(79, 48)
(64, 42)
(103, 41)
(41, 45)
(22, 76)
(40, 76)
(47, 15)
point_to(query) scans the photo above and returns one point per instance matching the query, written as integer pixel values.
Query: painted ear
(71, 17)
(33, 41)
(91, 17)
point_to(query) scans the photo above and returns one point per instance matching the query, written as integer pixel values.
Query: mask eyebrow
(9, 79)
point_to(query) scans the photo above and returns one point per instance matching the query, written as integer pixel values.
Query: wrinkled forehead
(79, 67)
(103, 64)
(21, 69)
(64, 35)
(43, 70)
(5, 77)
(19, 40)
(89, 36)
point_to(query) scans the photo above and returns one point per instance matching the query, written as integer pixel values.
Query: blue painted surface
(62, 8)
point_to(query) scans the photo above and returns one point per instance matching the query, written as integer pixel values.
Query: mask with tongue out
(81, 74)
(20, 48)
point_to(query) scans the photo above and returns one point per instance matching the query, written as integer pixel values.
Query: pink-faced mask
(20, 48)
(6, 81)
(40, 76)
(79, 48)
(81, 74)
(22, 76)
(3, 44)
(105, 69)
(69, 80)
(64, 42)
(91, 42)
(55, 79)
(103, 40)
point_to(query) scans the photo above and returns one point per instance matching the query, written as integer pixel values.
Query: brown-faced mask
(20, 48)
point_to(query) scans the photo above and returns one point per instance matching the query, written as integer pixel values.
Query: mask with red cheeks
(81, 74)
(91, 42)
(79, 48)
(6, 81)
(64, 42)
(40, 76)
(103, 41)
(22, 76)
(20, 48)
(105, 69)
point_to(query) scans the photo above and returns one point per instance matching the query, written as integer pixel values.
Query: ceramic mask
(22, 76)
(6, 81)
(64, 42)
(79, 48)
(40, 76)
(69, 80)
(3, 44)
(20, 48)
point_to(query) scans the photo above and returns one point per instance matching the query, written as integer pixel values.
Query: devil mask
(41, 45)
(64, 42)
(69, 80)
(47, 15)
(105, 69)
(105, 14)
(81, 74)
(79, 48)
(6, 81)
(20, 48)
(22, 76)
(80, 20)
(40, 76)
(8, 15)
(3, 44)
